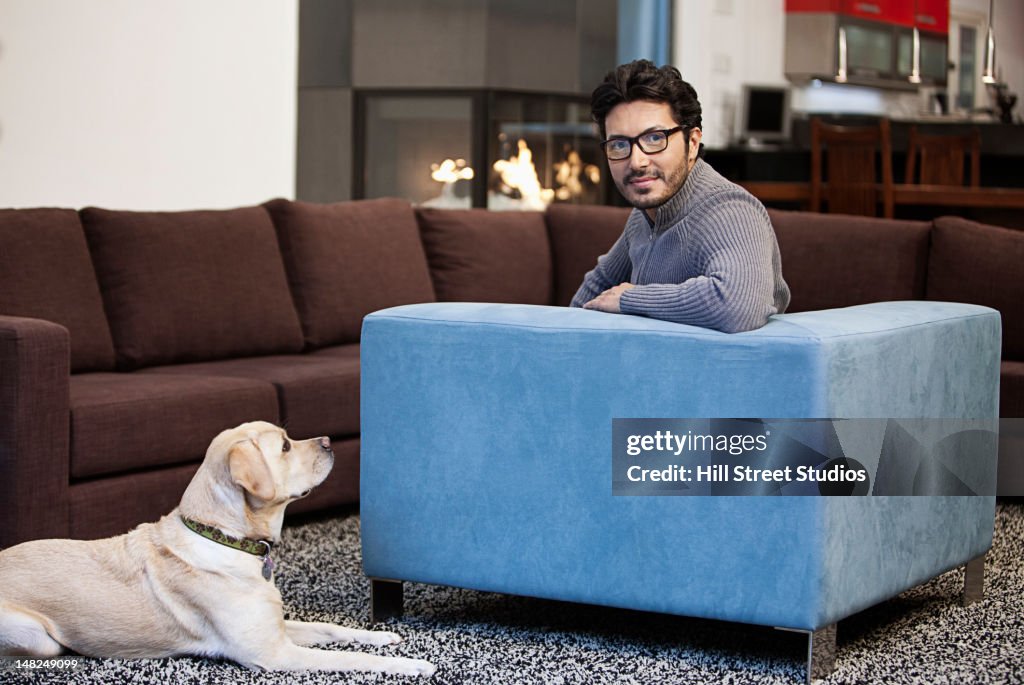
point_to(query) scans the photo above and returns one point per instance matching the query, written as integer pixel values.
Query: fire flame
(567, 175)
(518, 173)
(520, 185)
(451, 170)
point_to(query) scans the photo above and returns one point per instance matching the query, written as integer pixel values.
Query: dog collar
(257, 548)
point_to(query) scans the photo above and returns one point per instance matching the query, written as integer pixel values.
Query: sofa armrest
(34, 423)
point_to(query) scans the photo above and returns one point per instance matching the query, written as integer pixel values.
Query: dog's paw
(379, 638)
(403, 666)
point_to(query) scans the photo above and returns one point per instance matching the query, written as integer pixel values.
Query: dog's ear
(249, 470)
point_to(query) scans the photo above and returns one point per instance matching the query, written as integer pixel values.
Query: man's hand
(608, 301)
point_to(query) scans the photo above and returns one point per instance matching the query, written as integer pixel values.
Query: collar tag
(268, 568)
(268, 563)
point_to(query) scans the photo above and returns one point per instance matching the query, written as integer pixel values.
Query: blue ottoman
(486, 458)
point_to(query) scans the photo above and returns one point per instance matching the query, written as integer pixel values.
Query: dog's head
(272, 468)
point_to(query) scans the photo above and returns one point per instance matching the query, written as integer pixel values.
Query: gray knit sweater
(710, 259)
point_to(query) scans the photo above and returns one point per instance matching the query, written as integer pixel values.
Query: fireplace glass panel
(406, 137)
(557, 136)
(477, 148)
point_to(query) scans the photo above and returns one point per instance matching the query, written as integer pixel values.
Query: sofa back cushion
(46, 273)
(191, 286)
(347, 259)
(579, 235)
(476, 255)
(835, 260)
(977, 263)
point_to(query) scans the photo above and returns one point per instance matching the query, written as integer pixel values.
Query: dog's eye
(286, 446)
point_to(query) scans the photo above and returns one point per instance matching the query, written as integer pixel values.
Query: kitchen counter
(1002, 151)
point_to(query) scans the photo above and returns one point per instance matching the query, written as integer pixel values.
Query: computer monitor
(764, 115)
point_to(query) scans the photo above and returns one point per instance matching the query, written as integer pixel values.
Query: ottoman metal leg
(974, 580)
(385, 599)
(821, 651)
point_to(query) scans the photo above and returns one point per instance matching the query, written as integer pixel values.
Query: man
(696, 249)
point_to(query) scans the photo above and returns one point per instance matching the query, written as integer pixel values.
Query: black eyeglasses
(650, 143)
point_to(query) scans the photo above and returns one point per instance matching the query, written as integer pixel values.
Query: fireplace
(462, 148)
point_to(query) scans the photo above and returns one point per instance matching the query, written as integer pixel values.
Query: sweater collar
(670, 211)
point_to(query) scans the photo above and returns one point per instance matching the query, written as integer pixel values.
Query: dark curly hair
(642, 80)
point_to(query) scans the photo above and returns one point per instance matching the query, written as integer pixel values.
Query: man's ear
(695, 136)
(250, 471)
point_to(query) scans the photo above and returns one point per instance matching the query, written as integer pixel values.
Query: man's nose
(638, 159)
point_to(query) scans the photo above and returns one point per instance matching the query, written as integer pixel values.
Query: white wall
(721, 44)
(147, 104)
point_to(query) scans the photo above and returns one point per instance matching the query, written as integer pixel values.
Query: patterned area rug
(922, 636)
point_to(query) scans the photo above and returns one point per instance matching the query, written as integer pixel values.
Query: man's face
(648, 180)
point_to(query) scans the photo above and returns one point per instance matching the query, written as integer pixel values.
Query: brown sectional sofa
(129, 339)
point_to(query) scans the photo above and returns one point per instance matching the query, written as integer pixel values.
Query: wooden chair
(941, 158)
(851, 154)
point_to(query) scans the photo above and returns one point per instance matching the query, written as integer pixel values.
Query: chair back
(939, 159)
(854, 157)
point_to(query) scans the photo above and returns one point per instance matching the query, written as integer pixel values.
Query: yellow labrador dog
(196, 582)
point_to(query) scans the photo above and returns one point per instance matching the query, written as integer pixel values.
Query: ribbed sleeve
(711, 259)
(612, 268)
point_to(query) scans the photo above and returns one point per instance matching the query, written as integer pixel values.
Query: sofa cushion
(139, 496)
(1011, 389)
(977, 263)
(348, 259)
(188, 286)
(834, 260)
(47, 274)
(579, 235)
(476, 255)
(318, 393)
(130, 421)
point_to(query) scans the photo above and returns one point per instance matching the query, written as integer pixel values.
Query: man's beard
(646, 201)
(673, 183)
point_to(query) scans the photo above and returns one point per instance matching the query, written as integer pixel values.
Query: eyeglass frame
(635, 140)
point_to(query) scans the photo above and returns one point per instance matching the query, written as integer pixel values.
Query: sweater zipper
(647, 257)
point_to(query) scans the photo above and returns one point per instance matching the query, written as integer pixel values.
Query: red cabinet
(898, 12)
(932, 16)
(870, 42)
(927, 15)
